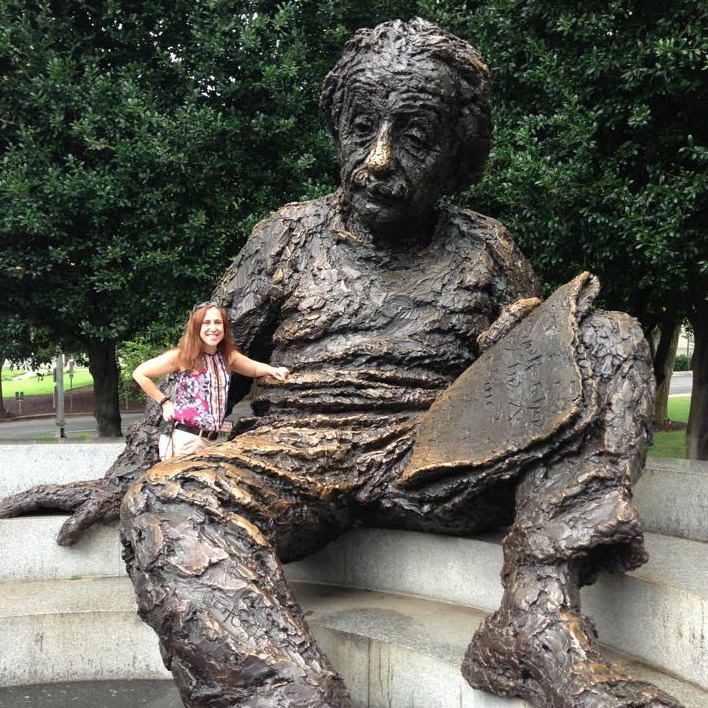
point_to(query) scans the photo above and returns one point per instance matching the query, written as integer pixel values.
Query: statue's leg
(574, 517)
(202, 538)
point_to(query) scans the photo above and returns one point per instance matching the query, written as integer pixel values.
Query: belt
(200, 432)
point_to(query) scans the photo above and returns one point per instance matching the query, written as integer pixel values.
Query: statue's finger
(101, 508)
(45, 497)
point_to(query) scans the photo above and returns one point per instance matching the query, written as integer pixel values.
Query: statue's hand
(510, 316)
(90, 502)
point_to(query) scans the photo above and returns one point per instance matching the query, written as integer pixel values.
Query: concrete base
(672, 497)
(94, 694)
(654, 613)
(402, 651)
(24, 465)
(392, 650)
(69, 613)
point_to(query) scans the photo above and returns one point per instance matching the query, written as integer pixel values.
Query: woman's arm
(158, 367)
(256, 369)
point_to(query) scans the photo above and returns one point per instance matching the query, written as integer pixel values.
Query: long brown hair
(190, 344)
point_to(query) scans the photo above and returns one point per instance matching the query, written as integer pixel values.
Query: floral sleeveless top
(200, 396)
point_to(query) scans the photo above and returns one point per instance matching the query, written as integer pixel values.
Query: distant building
(685, 343)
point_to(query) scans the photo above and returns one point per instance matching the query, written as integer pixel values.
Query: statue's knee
(622, 365)
(615, 340)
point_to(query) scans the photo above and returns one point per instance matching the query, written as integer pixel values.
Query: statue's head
(408, 106)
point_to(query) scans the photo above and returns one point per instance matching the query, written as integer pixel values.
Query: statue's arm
(251, 289)
(516, 289)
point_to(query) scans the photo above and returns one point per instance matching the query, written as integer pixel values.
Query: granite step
(392, 649)
(24, 465)
(656, 612)
(672, 498)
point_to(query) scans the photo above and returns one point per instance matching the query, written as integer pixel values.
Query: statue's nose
(380, 156)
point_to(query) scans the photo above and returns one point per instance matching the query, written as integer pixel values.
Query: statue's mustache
(391, 187)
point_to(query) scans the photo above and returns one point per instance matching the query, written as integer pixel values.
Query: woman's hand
(257, 369)
(280, 373)
(168, 411)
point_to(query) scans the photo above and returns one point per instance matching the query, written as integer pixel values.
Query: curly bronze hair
(423, 40)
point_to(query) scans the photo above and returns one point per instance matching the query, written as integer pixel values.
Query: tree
(138, 148)
(141, 142)
(601, 153)
(19, 342)
(98, 224)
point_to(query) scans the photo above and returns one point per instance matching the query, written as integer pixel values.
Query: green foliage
(147, 345)
(682, 363)
(21, 342)
(140, 144)
(135, 351)
(601, 141)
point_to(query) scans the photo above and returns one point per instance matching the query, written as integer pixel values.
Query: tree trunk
(670, 326)
(104, 369)
(697, 431)
(3, 412)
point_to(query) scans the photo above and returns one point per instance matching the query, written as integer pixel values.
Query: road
(681, 383)
(79, 427)
(84, 426)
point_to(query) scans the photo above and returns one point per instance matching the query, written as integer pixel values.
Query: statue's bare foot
(550, 660)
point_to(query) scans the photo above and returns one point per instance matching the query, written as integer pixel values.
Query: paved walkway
(93, 694)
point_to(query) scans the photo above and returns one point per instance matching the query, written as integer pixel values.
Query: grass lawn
(34, 387)
(678, 408)
(672, 443)
(9, 374)
(52, 437)
(669, 443)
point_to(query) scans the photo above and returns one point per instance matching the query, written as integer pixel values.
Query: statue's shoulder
(275, 246)
(483, 233)
(296, 217)
(477, 228)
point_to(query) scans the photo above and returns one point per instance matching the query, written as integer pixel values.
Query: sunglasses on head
(209, 303)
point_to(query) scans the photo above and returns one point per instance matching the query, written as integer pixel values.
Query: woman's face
(212, 330)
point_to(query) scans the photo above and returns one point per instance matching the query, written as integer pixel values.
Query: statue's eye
(415, 135)
(363, 125)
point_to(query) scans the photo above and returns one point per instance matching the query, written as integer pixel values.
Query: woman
(204, 360)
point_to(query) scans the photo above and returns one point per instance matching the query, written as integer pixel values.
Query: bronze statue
(429, 390)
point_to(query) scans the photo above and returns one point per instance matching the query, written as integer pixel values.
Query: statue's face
(396, 139)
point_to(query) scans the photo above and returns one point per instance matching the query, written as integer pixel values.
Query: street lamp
(59, 387)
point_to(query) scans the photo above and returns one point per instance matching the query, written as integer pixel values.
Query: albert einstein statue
(430, 389)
